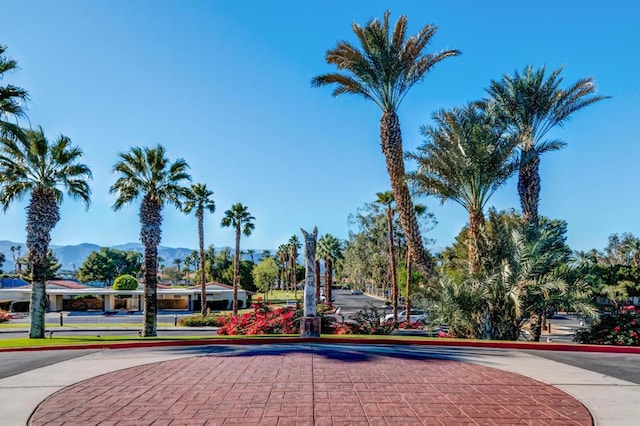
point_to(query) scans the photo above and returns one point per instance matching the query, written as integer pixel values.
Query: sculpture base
(310, 327)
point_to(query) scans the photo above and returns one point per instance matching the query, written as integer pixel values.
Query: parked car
(417, 315)
(356, 292)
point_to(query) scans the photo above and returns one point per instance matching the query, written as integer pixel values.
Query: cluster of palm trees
(471, 150)
(31, 165)
(328, 250)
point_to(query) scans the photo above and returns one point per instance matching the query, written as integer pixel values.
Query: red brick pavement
(310, 389)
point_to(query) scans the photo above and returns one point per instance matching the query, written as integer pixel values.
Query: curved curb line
(301, 340)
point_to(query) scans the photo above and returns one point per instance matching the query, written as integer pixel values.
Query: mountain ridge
(71, 257)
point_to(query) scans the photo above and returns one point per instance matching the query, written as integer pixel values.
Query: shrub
(125, 282)
(5, 305)
(369, 321)
(618, 329)
(4, 316)
(263, 320)
(198, 320)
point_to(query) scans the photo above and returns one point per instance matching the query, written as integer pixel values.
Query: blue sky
(226, 86)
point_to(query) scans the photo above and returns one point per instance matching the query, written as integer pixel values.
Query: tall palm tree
(239, 218)
(533, 103)
(199, 199)
(331, 250)
(12, 98)
(465, 158)
(283, 261)
(386, 199)
(317, 275)
(146, 173)
(383, 70)
(294, 245)
(30, 164)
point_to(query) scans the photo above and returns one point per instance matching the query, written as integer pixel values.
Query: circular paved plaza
(330, 387)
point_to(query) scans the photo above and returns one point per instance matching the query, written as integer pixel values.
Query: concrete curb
(338, 340)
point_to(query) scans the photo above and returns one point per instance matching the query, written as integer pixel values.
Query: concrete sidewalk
(378, 375)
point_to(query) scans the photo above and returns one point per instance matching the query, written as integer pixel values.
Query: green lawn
(23, 325)
(278, 297)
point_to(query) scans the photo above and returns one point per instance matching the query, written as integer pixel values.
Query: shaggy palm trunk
(529, 187)
(236, 270)
(151, 221)
(392, 265)
(317, 272)
(328, 264)
(535, 323)
(391, 141)
(476, 220)
(43, 213)
(407, 296)
(203, 289)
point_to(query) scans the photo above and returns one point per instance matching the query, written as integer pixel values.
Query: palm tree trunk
(529, 187)
(151, 221)
(392, 265)
(407, 296)
(43, 213)
(203, 289)
(476, 220)
(236, 270)
(317, 272)
(391, 141)
(535, 324)
(327, 285)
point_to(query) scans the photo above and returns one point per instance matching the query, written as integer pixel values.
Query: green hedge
(198, 320)
(125, 282)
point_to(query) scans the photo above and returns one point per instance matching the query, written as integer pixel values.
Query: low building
(65, 295)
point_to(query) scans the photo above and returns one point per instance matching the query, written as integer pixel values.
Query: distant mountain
(71, 257)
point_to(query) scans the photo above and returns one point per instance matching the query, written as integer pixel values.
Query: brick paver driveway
(328, 387)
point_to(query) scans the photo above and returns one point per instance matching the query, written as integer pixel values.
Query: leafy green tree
(173, 274)
(30, 164)
(106, 264)
(125, 282)
(532, 104)
(198, 200)
(241, 220)
(147, 173)
(12, 98)
(383, 70)
(465, 158)
(265, 274)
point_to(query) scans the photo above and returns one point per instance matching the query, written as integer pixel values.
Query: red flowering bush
(617, 329)
(5, 316)
(263, 320)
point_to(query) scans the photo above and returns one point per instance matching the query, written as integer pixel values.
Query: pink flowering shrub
(4, 316)
(617, 329)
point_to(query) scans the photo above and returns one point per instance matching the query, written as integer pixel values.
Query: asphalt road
(349, 303)
(621, 366)
(12, 363)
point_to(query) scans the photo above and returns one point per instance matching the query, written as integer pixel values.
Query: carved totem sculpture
(309, 272)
